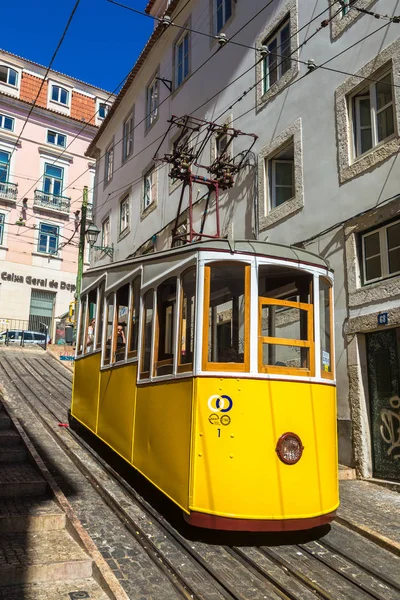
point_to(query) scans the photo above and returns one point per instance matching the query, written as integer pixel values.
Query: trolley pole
(81, 253)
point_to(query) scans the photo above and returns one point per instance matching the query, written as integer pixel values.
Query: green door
(383, 354)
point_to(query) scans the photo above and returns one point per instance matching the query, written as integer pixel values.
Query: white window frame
(150, 173)
(8, 164)
(105, 232)
(124, 214)
(128, 135)
(17, 76)
(152, 101)
(272, 162)
(268, 41)
(109, 164)
(57, 134)
(224, 18)
(374, 112)
(3, 117)
(60, 88)
(2, 228)
(181, 43)
(107, 109)
(384, 253)
(47, 251)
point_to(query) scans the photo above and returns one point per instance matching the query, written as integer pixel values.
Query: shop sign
(38, 282)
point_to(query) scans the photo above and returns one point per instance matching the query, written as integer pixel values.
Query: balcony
(46, 201)
(8, 191)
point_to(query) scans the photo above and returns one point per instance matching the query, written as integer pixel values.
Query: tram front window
(227, 301)
(325, 320)
(286, 320)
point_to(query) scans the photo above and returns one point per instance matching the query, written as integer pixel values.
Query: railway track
(333, 564)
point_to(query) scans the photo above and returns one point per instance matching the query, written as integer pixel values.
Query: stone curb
(101, 571)
(371, 534)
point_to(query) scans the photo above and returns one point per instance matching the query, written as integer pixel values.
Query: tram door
(383, 358)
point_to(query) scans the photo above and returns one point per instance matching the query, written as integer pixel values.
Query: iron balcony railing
(8, 191)
(51, 201)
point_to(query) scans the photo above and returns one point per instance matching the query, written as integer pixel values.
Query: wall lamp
(92, 233)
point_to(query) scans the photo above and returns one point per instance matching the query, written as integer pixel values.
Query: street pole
(81, 253)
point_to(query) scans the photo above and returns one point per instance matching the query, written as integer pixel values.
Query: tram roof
(121, 268)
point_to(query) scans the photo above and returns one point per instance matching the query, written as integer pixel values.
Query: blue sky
(101, 45)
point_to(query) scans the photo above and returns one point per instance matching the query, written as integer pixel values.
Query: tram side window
(82, 327)
(187, 320)
(227, 305)
(91, 321)
(325, 320)
(166, 311)
(110, 339)
(122, 323)
(286, 319)
(99, 328)
(147, 335)
(134, 333)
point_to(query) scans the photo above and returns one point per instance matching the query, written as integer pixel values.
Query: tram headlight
(289, 448)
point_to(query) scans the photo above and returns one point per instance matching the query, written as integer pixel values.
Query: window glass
(48, 238)
(223, 12)
(1, 227)
(128, 136)
(277, 61)
(150, 191)
(134, 336)
(393, 241)
(147, 333)
(105, 233)
(109, 164)
(82, 326)
(281, 176)
(384, 102)
(99, 328)
(91, 321)
(325, 326)
(110, 340)
(372, 254)
(8, 75)
(166, 310)
(152, 102)
(187, 318)
(6, 123)
(226, 318)
(103, 110)
(124, 214)
(284, 323)
(182, 60)
(4, 165)
(59, 94)
(53, 180)
(58, 139)
(122, 322)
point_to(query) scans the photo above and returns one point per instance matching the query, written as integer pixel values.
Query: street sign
(383, 318)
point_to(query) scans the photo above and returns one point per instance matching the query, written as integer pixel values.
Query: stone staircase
(39, 560)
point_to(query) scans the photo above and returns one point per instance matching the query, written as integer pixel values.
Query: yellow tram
(210, 369)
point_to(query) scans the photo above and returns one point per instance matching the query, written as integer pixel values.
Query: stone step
(30, 514)
(14, 454)
(9, 437)
(5, 421)
(49, 556)
(66, 590)
(21, 480)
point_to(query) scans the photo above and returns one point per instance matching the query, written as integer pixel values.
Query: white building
(323, 174)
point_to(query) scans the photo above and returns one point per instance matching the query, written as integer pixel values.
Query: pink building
(43, 170)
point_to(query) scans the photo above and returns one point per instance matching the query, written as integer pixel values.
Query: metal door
(41, 310)
(384, 390)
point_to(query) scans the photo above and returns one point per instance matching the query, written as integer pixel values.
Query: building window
(8, 75)
(2, 217)
(124, 214)
(181, 60)
(150, 188)
(59, 94)
(128, 136)
(381, 253)
(48, 238)
(277, 61)
(346, 6)
(53, 179)
(152, 99)
(58, 139)
(109, 164)
(373, 114)
(223, 12)
(281, 177)
(4, 165)
(105, 233)
(103, 110)
(7, 123)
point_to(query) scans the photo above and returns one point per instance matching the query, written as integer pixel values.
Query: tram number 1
(219, 432)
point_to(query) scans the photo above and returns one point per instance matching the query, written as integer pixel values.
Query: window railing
(8, 191)
(51, 201)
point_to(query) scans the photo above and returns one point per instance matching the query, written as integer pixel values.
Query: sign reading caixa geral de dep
(38, 282)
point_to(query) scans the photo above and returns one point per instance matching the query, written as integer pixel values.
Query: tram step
(20, 480)
(9, 437)
(41, 557)
(77, 588)
(5, 421)
(30, 514)
(14, 454)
